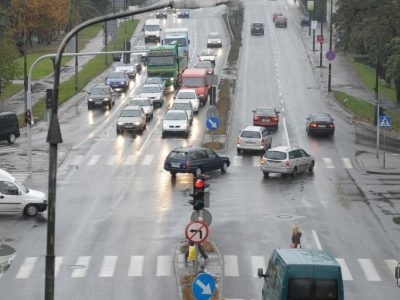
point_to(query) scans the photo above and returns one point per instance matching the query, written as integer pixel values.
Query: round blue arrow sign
(212, 123)
(203, 286)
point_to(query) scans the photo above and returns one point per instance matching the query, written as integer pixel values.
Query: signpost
(196, 232)
(212, 123)
(384, 122)
(330, 55)
(201, 215)
(320, 39)
(203, 286)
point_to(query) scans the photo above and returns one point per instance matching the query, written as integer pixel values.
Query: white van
(15, 198)
(152, 30)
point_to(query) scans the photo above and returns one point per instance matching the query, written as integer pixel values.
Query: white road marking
(328, 162)
(164, 264)
(316, 239)
(147, 159)
(257, 262)
(231, 265)
(26, 269)
(82, 266)
(391, 263)
(108, 266)
(136, 266)
(346, 275)
(369, 269)
(112, 160)
(93, 160)
(130, 160)
(347, 163)
(57, 265)
(285, 130)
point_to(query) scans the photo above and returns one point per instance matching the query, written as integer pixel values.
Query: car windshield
(278, 155)
(175, 116)
(186, 95)
(265, 111)
(324, 118)
(204, 64)
(150, 89)
(258, 25)
(181, 106)
(154, 80)
(177, 155)
(151, 27)
(140, 102)
(206, 53)
(100, 91)
(250, 134)
(178, 41)
(130, 113)
(117, 75)
(214, 36)
(193, 81)
(160, 60)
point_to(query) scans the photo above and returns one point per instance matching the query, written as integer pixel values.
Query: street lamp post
(330, 49)
(322, 31)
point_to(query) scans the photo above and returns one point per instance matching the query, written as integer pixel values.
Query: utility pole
(377, 78)
(322, 31)
(330, 48)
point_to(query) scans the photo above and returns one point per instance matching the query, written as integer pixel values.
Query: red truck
(196, 79)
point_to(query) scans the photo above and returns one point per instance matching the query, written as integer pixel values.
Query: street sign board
(330, 55)
(384, 121)
(196, 232)
(212, 123)
(320, 39)
(314, 25)
(203, 286)
(201, 215)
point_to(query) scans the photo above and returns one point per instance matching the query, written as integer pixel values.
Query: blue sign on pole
(384, 121)
(203, 286)
(330, 55)
(212, 123)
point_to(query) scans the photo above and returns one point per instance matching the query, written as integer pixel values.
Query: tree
(393, 66)
(8, 63)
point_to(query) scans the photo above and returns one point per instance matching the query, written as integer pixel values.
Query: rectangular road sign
(320, 39)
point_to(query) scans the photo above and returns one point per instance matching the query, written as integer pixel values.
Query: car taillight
(274, 119)
(255, 118)
(313, 125)
(331, 126)
(187, 163)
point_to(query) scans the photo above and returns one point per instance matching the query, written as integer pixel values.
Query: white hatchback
(253, 138)
(189, 94)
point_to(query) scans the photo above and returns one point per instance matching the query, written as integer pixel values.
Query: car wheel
(118, 131)
(162, 135)
(224, 167)
(332, 134)
(11, 138)
(173, 173)
(265, 174)
(197, 172)
(294, 172)
(89, 106)
(31, 210)
(311, 167)
(238, 151)
(187, 134)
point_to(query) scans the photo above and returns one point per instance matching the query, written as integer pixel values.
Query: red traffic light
(199, 184)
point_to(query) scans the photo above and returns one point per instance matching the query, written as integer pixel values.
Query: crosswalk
(149, 159)
(363, 269)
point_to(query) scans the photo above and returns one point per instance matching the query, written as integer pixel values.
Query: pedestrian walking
(296, 235)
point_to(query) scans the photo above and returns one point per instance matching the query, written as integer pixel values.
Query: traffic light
(199, 186)
(2, 85)
(381, 113)
(28, 117)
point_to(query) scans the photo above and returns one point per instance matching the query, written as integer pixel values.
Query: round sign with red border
(196, 232)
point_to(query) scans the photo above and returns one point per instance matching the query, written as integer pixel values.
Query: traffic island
(186, 271)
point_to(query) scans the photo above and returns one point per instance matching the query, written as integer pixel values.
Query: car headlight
(172, 79)
(90, 100)
(106, 99)
(119, 123)
(137, 123)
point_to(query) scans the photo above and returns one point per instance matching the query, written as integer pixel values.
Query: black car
(183, 13)
(281, 21)
(9, 127)
(117, 56)
(100, 95)
(305, 21)
(161, 14)
(321, 123)
(195, 160)
(257, 29)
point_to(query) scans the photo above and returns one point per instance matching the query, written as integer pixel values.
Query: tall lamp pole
(377, 80)
(330, 48)
(322, 31)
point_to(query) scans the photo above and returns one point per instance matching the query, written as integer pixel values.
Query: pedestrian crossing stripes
(8, 149)
(363, 269)
(148, 159)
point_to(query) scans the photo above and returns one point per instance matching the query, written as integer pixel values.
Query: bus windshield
(178, 41)
(160, 60)
(193, 81)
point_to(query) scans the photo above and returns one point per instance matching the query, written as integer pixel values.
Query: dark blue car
(118, 81)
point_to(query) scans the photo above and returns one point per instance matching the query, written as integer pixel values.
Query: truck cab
(152, 30)
(196, 79)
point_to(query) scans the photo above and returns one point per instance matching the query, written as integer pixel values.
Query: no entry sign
(196, 232)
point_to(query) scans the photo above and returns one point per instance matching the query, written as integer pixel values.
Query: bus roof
(307, 257)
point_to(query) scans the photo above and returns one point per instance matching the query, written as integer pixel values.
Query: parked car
(15, 198)
(185, 105)
(286, 160)
(118, 81)
(257, 28)
(189, 94)
(214, 39)
(9, 127)
(146, 104)
(207, 54)
(132, 119)
(101, 95)
(161, 14)
(320, 123)
(154, 93)
(183, 13)
(175, 122)
(205, 64)
(253, 138)
(305, 21)
(281, 21)
(266, 117)
(195, 160)
(275, 15)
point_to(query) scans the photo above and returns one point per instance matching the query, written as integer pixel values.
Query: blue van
(302, 274)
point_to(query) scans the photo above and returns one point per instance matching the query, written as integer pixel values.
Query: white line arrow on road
(206, 288)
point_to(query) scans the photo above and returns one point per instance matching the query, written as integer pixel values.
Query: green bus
(302, 274)
(164, 61)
